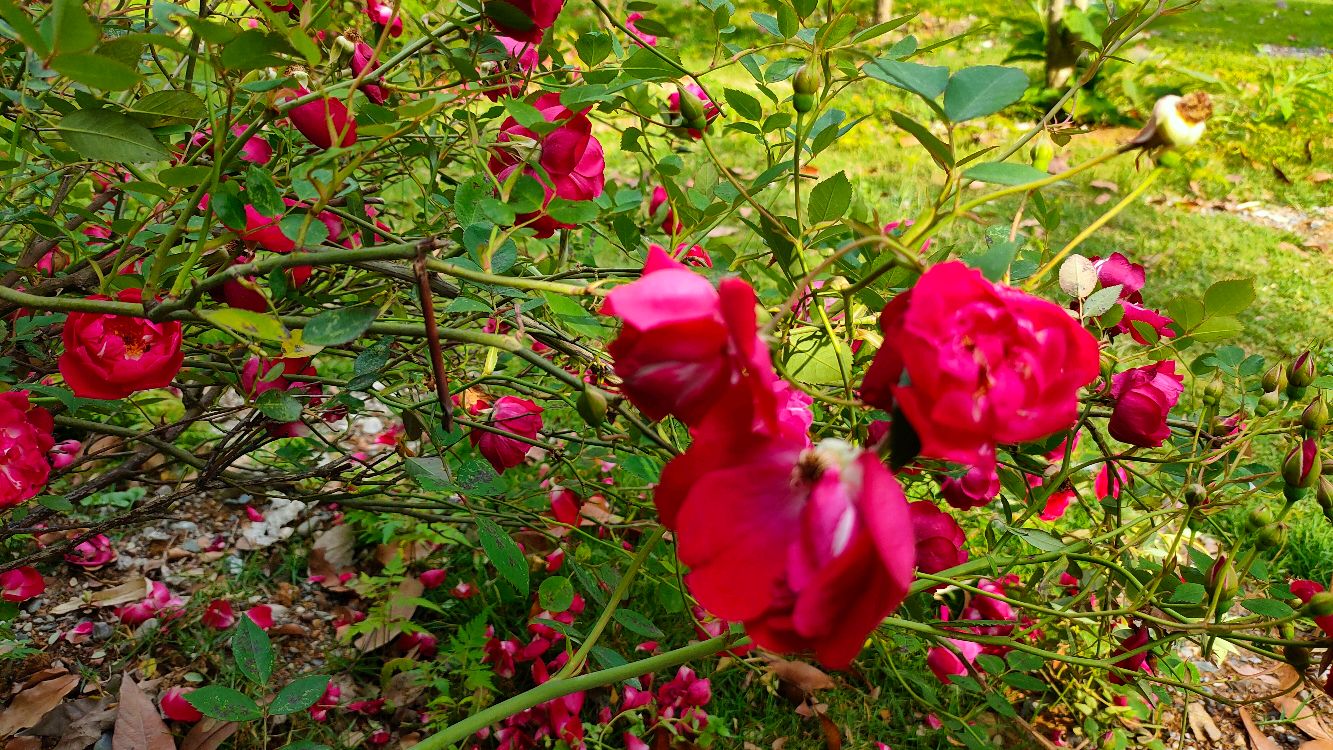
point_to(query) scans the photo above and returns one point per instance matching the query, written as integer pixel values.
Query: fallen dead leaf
(331, 556)
(138, 726)
(209, 734)
(1258, 740)
(797, 680)
(24, 743)
(33, 702)
(832, 737)
(89, 727)
(401, 608)
(1317, 745)
(1319, 177)
(1303, 716)
(1202, 724)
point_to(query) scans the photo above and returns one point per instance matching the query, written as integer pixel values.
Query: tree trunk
(1061, 54)
(883, 10)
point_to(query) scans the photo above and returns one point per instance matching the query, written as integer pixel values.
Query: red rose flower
(805, 546)
(111, 356)
(570, 157)
(985, 364)
(670, 224)
(1117, 269)
(382, 15)
(175, 707)
(684, 343)
(363, 59)
(25, 440)
(524, 20)
(1143, 400)
(513, 415)
(1305, 591)
(977, 486)
(324, 122)
(939, 538)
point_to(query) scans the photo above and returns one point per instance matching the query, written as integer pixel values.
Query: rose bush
(483, 294)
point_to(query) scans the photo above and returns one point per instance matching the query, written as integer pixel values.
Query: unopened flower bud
(1324, 492)
(1212, 393)
(692, 110)
(1315, 416)
(806, 86)
(1301, 372)
(1301, 466)
(1196, 495)
(592, 405)
(1260, 517)
(1297, 656)
(1223, 583)
(1271, 537)
(1268, 403)
(1042, 155)
(1321, 605)
(1275, 379)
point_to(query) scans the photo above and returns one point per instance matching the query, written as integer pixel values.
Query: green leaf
(1036, 537)
(927, 81)
(1024, 682)
(982, 90)
(55, 502)
(816, 358)
(184, 176)
(504, 554)
(252, 324)
(593, 47)
(1004, 173)
(253, 49)
(555, 594)
(1188, 593)
(1268, 608)
(934, 146)
(830, 199)
(223, 703)
(646, 66)
(1101, 301)
(68, 27)
(467, 197)
(637, 623)
(1228, 297)
(261, 193)
(253, 652)
(333, 327)
(97, 71)
(573, 212)
(305, 745)
(744, 105)
(103, 135)
(278, 406)
(161, 107)
(22, 25)
(299, 695)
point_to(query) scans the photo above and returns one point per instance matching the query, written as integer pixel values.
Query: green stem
(622, 589)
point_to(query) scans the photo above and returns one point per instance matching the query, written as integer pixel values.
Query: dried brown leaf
(88, 727)
(33, 702)
(1258, 740)
(209, 734)
(331, 556)
(804, 677)
(832, 737)
(400, 610)
(138, 725)
(1202, 724)
(1317, 745)
(24, 743)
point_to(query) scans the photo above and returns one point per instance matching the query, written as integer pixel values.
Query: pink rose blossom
(91, 553)
(64, 454)
(111, 356)
(21, 584)
(219, 615)
(984, 364)
(511, 414)
(1144, 397)
(939, 538)
(648, 39)
(432, 579)
(525, 20)
(324, 122)
(512, 71)
(670, 224)
(382, 15)
(25, 440)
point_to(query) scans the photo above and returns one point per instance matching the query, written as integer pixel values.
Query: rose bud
(1268, 403)
(1275, 379)
(691, 110)
(1212, 393)
(1315, 416)
(1175, 121)
(1196, 495)
(1300, 374)
(806, 85)
(1223, 583)
(1260, 517)
(1301, 467)
(1271, 537)
(1324, 493)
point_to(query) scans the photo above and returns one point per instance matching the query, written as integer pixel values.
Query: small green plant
(252, 653)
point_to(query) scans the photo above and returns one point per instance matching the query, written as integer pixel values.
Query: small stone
(186, 527)
(102, 631)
